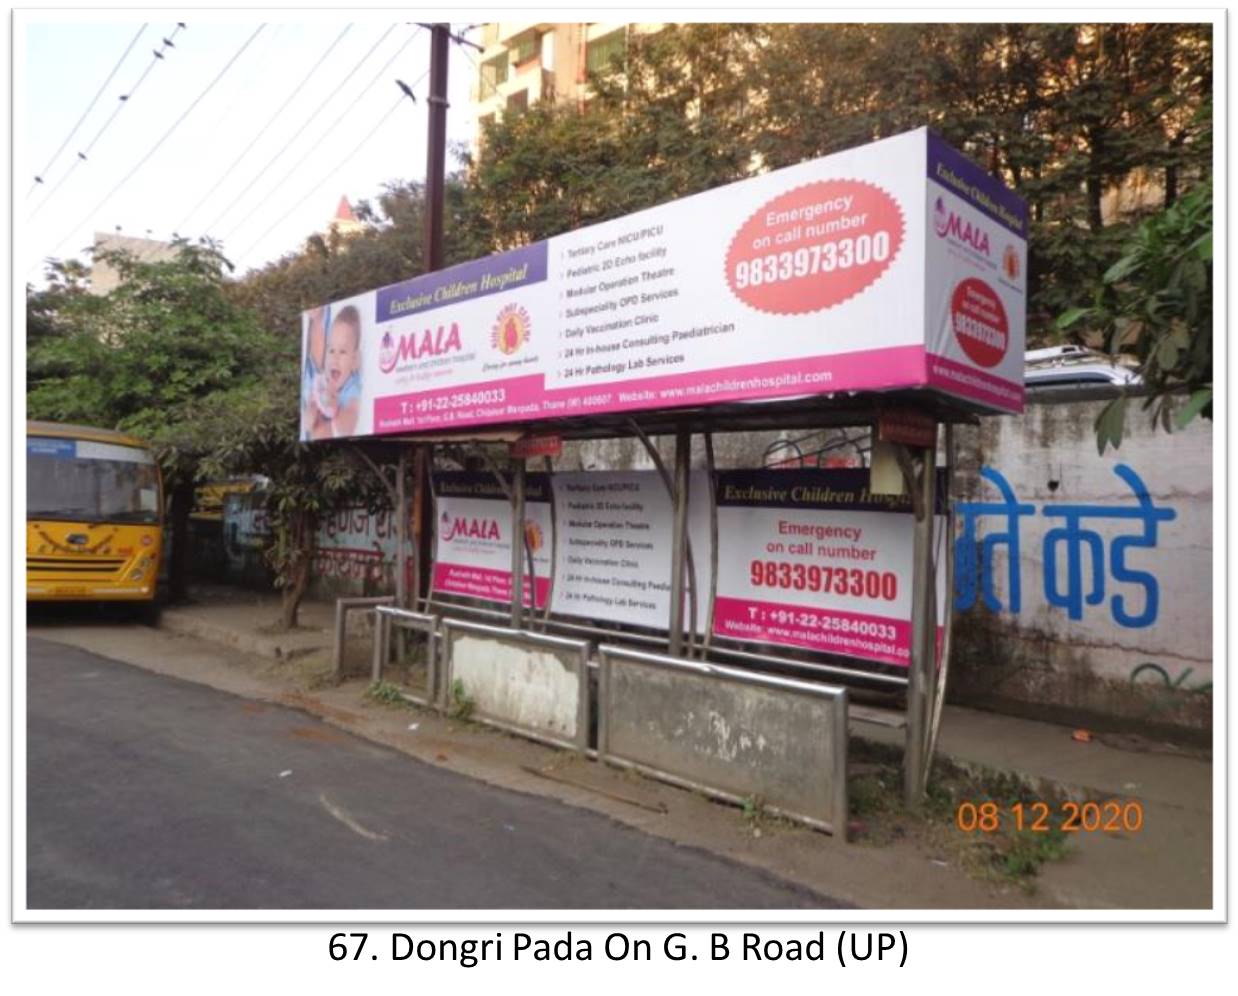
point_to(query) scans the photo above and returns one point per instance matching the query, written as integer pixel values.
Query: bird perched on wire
(407, 90)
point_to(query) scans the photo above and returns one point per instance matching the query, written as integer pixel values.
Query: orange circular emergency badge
(813, 247)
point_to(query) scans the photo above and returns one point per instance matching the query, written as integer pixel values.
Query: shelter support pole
(679, 538)
(518, 493)
(401, 530)
(947, 615)
(420, 516)
(554, 546)
(923, 631)
(401, 542)
(711, 476)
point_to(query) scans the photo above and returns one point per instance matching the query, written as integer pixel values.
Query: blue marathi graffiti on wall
(1077, 572)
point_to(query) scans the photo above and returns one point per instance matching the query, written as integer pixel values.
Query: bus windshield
(81, 481)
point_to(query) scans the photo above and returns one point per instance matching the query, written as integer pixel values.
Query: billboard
(473, 537)
(812, 558)
(815, 560)
(895, 265)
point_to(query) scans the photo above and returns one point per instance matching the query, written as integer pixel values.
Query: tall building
(522, 63)
(104, 277)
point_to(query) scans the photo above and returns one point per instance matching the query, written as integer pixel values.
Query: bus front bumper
(48, 591)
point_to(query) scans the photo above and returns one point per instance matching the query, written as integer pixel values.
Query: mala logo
(941, 217)
(947, 224)
(387, 354)
(465, 527)
(413, 346)
(511, 329)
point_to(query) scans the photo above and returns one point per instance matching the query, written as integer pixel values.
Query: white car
(1076, 366)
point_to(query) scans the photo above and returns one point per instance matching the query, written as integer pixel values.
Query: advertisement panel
(976, 292)
(473, 537)
(814, 560)
(809, 558)
(614, 546)
(807, 280)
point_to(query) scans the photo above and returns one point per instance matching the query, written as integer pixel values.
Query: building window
(493, 72)
(525, 48)
(600, 53)
(518, 102)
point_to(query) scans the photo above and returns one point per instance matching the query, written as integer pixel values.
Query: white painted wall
(532, 688)
(1049, 458)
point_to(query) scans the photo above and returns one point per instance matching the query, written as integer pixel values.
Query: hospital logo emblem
(511, 329)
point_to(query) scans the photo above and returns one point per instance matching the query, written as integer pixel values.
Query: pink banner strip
(968, 382)
(525, 399)
(481, 582)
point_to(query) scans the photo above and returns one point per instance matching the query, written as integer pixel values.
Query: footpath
(226, 639)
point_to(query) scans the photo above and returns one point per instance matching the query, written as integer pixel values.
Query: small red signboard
(911, 428)
(535, 446)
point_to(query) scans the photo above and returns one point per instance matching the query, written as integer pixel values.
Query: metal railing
(343, 606)
(387, 617)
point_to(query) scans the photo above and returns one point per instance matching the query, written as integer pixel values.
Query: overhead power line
(263, 129)
(308, 121)
(166, 135)
(83, 155)
(339, 166)
(279, 184)
(39, 179)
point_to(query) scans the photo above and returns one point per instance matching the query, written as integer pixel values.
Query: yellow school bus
(94, 516)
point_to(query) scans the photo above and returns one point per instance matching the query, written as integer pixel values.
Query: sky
(249, 129)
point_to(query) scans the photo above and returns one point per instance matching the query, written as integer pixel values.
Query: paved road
(149, 792)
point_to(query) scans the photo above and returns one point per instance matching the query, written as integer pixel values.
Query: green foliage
(1155, 303)
(671, 126)
(462, 703)
(336, 266)
(1021, 854)
(156, 356)
(386, 693)
(260, 433)
(174, 355)
(1064, 113)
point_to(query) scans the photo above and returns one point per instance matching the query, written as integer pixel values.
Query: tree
(258, 431)
(1156, 302)
(1067, 114)
(157, 356)
(667, 121)
(334, 266)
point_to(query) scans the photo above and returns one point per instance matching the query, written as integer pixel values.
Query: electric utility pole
(436, 163)
(436, 146)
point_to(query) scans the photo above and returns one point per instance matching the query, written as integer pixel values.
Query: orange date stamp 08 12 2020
(1110, 816)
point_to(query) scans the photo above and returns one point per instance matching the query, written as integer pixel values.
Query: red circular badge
(979, 321)
(814, 247)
